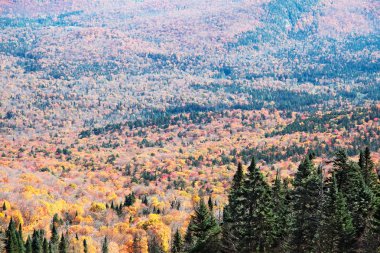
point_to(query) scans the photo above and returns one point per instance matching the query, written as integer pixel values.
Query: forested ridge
(122, 124)
(334, 209)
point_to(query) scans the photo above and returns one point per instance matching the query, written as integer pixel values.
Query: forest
(335, 209)
(131, 126)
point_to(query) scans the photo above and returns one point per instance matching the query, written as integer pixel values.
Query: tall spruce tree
(371, 240)
(258, 219)
(12, 243)
(20, 240)
(367, 168)
(305, 205)
(54, 240)
(335, 231)
(63, 245)
(360, 199)
(45, 246)
(37, 242)
(105, 245)
(177, 242)
(28, 245)
(204, 230)
(233, 215)
(282, 213)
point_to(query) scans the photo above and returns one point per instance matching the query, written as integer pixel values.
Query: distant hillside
(113, 60)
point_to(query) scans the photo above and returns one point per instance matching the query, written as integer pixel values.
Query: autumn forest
(144, 126)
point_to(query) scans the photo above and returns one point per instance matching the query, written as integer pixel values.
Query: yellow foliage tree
(97, 207)
(160, 230)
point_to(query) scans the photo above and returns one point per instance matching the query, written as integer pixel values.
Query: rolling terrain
(116, 117)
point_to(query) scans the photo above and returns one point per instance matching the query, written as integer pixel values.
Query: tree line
(38, 242)
(317, 211)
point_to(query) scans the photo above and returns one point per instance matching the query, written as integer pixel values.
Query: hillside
(118, 117)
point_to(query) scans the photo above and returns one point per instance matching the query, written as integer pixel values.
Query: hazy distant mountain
(160, 54)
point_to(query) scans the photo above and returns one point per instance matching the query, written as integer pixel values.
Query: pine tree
(189, 236)
(258, 220)
(63, 245)
(20, 240)
(282, 214)
(359, 197)
(28, 245)
(233, 215)
(177, 242)
(51, 249)
(85, 248)
(229, 239)
(12, 243)
(54, 240)
(367, 167)
(105, 245)
(130, 199)
(36, 242)
(4, 207)
(305, 206)
(336, 231)
(238, 178)
(210, 204)
(204, 230)
(371, 236)
(45, 246)
(56, 219)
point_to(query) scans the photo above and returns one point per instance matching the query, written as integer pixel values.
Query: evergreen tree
(238, 178)
(189, 236)
(371, 238)
(4, 207)
(36, 242)
(177, 243)
(12, 242)
(369, 175)
(28, 245)
(56, 219)
(204, 230)
(229, 239)
(233, 215)
(85, 248)
(54, 240)
(336, 231)
(105, 245)
(51, 249)
(258, 219)
(305, 206)
(282, 214)
(367, 167)
(359, 197)
(63, 245)
(130, 199)
(45, 246)
(210, 204)
(20, 240)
